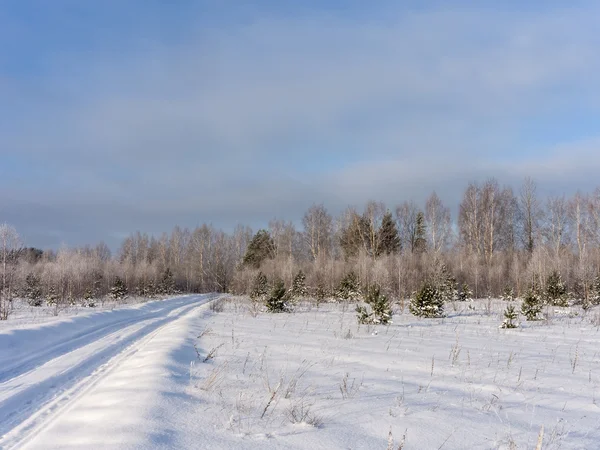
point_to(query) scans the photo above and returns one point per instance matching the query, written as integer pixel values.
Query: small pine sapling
(299, 286)
(379, 310)
(52, 296)
(508, 294)
(118, 290)
(33, 290)
(556, 291)
(510, 318)
(532, 303)
(428, 302)
(465, 294)
(349, 288)
(277, 301)
(259, 288)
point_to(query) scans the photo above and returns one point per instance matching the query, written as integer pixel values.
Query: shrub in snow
(118, 291)
(259, 287)
(277, 301)
(299, 286)
(33, 290)
(532, 304)
(556, 291)
(465, 293)
(349, 288)
(378, 309)
(320, 291)
(510, 318)
(428, 302)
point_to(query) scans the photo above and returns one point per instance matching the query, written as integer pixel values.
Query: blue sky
(119, 116)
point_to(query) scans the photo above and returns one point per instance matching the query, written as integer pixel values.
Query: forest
(499, 243)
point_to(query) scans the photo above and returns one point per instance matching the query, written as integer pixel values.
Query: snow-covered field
(178, 374)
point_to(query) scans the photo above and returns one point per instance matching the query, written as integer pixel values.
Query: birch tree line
(498, 239)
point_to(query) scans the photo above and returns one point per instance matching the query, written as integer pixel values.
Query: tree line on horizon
(499, 241)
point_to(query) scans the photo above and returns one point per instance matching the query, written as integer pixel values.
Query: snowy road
(47, 371)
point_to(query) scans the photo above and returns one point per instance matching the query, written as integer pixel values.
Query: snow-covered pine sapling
(428, 302)
(33, 290)
(556, 291)
(349, 288)
(508, 294)
(595, 291)
(532, 304)
(510, 317)
(118, 290)
(379, 305)
(299, 286)
(259, 288)
(465, 293)
(88, 296)
(277, 301)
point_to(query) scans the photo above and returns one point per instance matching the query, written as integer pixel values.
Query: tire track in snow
(31, 400)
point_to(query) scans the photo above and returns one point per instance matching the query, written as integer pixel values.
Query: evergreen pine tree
(167, 283)
(277, 301)
(320, 291)
(349, 288)
(465, 293)
(261, 247)
(510, 317)
(447, 285)
(532, 302)
(389, 240)
(33, 290)
(556, 291)
(420, 240)
(88, 296)
(259, 287)
(51, 295)
(428, 302)
(299, 285)
(380, 308)
(118, 290)
(595, 291)
(508, 294)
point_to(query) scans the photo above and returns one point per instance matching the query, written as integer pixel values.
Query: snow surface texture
(183, 373)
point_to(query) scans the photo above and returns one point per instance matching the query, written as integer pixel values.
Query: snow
(178, 374)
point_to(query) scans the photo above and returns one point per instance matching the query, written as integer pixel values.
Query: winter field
(216, 372)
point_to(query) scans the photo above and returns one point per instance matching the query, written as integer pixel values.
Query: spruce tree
(349, 288)
(261, 247)
(277, 301)
(33, 290)
(320, 291)
(299, 285)
(389, 240)
(118, 291)
(510, 317)
(259, 287)
(428, 302)
(556, 291)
